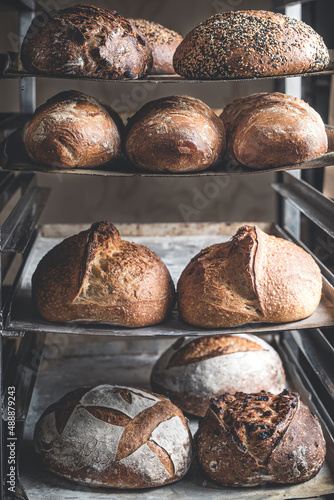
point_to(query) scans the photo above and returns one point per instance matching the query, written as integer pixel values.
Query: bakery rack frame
(305, 216)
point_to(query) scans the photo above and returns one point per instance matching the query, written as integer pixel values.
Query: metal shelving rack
(21, 203)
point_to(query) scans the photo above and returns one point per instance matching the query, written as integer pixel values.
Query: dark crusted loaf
(73, 130)
(95, 276)
(253, 43)
(271, 129)
(85, 40)
(251, 439)
(194, 369)
(163, 43)
(254, 277)
(114, 436)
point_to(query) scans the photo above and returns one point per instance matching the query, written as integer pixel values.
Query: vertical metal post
(27, 85)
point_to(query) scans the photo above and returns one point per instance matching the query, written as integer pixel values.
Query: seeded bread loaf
(85, 40)
(163, 43)
(254, 277)
(73, 130)
(95, 276)
(272, 130)
(175, 134)
(194, 369)
(250, 43)
(114, 436)
(252, 439)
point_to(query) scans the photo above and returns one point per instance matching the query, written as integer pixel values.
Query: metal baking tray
(13, 157)
(108, 362)
(176, 244)
(12, 68)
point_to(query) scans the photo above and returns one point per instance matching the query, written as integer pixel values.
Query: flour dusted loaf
(175, 134)
(250, 43)
(163, 43)
(194, 369)
(272, 130)
(254, 277)
(95, 276)
(252, 439)
(114, 436)
(73, 130)
(85, 40)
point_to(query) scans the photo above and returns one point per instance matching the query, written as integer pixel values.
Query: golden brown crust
(95, 276)
(250, 439)
(73, 130)
(272, 130)
(175, 134)
(114, 436)
(193, 370)
(163, 43)
(85, 40)
(254, 277)
(246, 44)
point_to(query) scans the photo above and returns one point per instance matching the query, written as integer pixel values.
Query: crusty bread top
(87, 41)
(272, 129)
(253, 277)
(155, 33)
(251, 43)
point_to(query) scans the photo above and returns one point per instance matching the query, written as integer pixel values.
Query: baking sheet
(175, 251)
(12, 68)
(13, 157)
(58, 376)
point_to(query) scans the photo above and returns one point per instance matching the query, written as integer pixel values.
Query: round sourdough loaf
(194, 369)
(252, 439)
(175, 134)
(247, 44)
(114, 436)
(95, 276)
(272, 130)
(163, 43)
(73, 130)
(254, 277)
(85, 40)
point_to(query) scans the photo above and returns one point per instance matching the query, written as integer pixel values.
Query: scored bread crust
(85, 40)
(114, 436)
(163, 43)
(95, 276)
(272, 130)
(251, 439)
(247, 44)
(193, 370)
(175, 134)
(254, 277)
(73, 130)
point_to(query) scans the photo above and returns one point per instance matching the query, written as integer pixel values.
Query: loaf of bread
(252, 439)
(87, 41)
(254, 277)
(114, 436)
(73, 130)
(175, 134)
(163, 43)
(272, 130)
(95, 276)
(194, 369)
(247, 44)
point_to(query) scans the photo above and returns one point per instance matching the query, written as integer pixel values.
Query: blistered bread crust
(85, 40)
(254, 277)
(259, 438)
(250, 43)
(95, 276)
